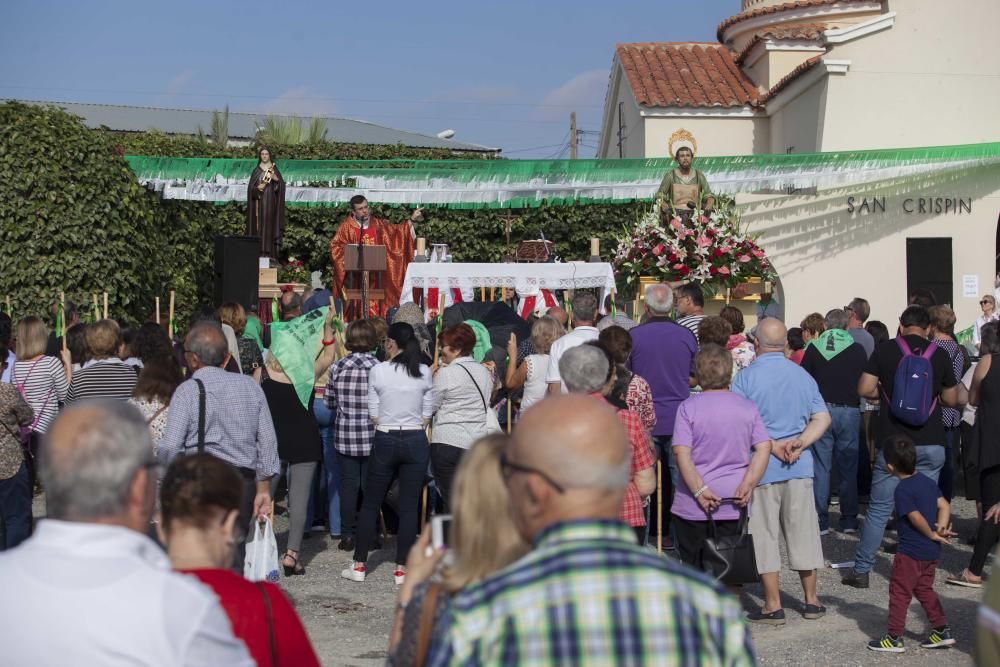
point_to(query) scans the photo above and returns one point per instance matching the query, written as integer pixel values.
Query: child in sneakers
(922, 525)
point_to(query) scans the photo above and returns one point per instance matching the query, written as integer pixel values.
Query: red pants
(913, 579)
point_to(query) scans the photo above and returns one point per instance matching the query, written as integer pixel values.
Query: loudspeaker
(236, 265)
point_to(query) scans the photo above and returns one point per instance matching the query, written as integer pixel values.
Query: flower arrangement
(707, 248)
(294, 271)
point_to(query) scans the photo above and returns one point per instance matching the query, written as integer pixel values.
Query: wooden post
(572, 135)
(509, 408)
(62, 306)
(97, 309)
(482, 293)
(157, 310)
(493, 293)
(659, 506)
(105, 305)
(170, 317)
(423, 506)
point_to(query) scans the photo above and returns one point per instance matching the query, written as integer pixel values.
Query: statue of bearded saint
(266, 205)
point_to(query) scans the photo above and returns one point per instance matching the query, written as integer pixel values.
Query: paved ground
(349, 623)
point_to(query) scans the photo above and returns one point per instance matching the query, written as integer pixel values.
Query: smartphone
(440, 530)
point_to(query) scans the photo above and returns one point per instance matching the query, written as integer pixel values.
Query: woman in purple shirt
(721, 447)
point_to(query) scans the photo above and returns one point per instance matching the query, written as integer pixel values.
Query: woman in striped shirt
(104, 375)
(42, 380)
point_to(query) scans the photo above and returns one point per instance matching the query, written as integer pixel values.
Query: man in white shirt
(89, 588)
(584, 313)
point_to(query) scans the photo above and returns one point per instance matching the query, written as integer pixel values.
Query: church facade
(812, 76)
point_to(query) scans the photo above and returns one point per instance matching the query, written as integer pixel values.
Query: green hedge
(74, 218)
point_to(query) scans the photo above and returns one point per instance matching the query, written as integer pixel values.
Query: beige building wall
(933, 79)
(715, 135)
(825, 256)
(634, 135)
(797, 127)
(773, 66)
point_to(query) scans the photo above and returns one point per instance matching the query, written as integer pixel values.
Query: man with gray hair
(858, 311)
(836, 362)
(584, 313)
(90, 588)
(589, 369)
(796, 416)
(225, 415)
(663, 355)
(586, 592)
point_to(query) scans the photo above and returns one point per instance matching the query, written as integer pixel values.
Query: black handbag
(731, 559)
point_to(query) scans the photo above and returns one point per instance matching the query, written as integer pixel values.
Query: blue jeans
(15, 508)
(840, 443)
(328, 481)
(930, 458)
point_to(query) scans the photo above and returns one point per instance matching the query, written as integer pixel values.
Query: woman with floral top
(15, 483)
(742, 349)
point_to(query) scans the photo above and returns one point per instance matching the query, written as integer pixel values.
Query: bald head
(578, 443)
(291, 305)
(771, 335)
(559, 315)
(93, 452)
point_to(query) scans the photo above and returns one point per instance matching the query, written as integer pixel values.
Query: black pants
(246, 515)
(404, 453)
(444, 461)
(351, 472)
(691, 536)
(989, 532)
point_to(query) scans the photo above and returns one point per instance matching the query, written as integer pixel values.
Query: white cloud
(300, 101)
(178, 83)
(583, 90)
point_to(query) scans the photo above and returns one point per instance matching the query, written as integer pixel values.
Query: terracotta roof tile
(685, 74)
(791, 76)
(774, 9)
(804, 31)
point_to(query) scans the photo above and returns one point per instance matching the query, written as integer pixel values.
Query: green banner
(295, 344)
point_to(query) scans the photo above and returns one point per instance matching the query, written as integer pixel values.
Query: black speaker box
(236, 270)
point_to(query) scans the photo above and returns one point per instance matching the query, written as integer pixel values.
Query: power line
(314, 98)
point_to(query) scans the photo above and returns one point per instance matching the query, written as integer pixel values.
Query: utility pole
(572, 135)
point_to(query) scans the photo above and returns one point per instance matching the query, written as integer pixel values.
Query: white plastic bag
(261, 563)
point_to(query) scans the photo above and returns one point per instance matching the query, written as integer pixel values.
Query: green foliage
(220, 128)
(317, 131)
(73, 218)
(163, 145)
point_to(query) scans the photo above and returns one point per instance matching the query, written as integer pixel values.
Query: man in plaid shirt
(347, 398)
(587, 594)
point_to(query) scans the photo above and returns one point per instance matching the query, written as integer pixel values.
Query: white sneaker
(849, 531)
(824, 533)
(400, 576)
(356, 572)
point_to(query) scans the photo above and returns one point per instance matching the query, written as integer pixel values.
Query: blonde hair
(273, 364)
(943, 319)
(234, 315)
(483, 537)
(103, 339)
(545, 331)
(32, 338)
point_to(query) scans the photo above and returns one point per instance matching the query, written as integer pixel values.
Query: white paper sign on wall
(970, 286)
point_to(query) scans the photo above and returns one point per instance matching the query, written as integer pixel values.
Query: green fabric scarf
(832, 342)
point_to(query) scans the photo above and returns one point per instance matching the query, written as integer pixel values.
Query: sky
(502, 74)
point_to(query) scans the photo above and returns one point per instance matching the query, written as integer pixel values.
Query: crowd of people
(157, 457)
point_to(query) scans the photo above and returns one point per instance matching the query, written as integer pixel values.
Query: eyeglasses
(984, 302)
(508, 468)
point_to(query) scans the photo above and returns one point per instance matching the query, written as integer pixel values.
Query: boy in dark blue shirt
(922, 524)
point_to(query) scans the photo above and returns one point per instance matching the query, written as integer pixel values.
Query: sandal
(295, 568)
(963, 580)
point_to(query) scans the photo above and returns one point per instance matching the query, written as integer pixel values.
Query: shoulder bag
(731, 559)
(492, 422)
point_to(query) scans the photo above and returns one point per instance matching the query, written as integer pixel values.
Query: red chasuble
(398, 242)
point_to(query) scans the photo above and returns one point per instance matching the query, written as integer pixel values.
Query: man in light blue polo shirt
(795, 415)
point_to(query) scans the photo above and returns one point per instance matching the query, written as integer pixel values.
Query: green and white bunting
(529, 183)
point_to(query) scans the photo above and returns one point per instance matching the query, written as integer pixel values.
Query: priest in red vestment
(362, 227)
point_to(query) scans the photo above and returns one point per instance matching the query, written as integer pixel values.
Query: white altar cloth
(527, 279)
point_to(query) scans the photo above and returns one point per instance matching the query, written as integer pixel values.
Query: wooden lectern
(360, 261)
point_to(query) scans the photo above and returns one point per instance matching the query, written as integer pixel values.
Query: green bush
(74, 218)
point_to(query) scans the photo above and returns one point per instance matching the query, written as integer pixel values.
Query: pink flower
(725, 248)
(676, 223)
(758, 253)
(724, 270)
(744, 258)
(704, 241)
(658, 250)
(703, 219)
